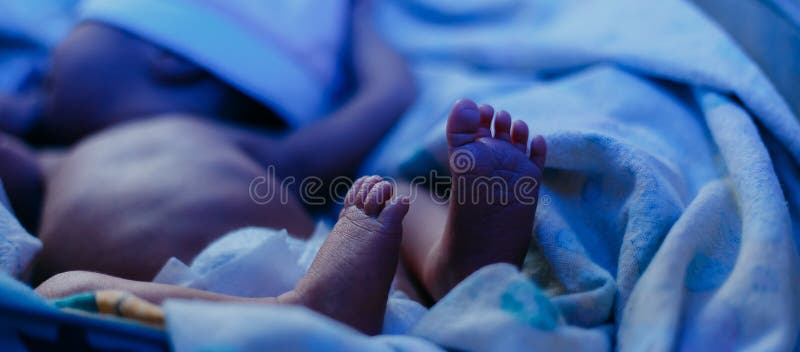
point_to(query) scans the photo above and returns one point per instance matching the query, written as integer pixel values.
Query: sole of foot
(493, 196)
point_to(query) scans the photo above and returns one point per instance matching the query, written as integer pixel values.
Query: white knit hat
(282, 53)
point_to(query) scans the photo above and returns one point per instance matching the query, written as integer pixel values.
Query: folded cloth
(237, 263)
(18, 248)
(204, 326)
(499, 309)
(495, 309)
(283, 54)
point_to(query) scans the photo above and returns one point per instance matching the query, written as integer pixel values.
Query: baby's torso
(169, 187)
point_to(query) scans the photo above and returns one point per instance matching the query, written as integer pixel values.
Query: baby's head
(102, 75)
(231, 59)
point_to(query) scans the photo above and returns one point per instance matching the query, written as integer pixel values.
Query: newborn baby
(351, 275)
(165, 130)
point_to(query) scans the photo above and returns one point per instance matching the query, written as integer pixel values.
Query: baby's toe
(538, 151)
(463, 123)
(350, 198)
(487, 114)
(519, 135)
(502, 126)
(377, 197)
(366, 186)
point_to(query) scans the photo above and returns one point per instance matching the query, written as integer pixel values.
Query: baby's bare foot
(353, 271)
(495, 185)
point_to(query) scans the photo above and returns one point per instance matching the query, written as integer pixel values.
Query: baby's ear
(173, 69)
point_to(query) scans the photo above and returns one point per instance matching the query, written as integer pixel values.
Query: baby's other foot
(495, 185)
(353, 271)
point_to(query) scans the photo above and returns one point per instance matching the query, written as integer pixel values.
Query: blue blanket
(671, 204)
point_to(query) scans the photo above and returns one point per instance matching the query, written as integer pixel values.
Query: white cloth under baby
(250, 262)
(263, 262)
(495, 309)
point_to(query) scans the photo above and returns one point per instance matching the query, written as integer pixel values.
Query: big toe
(463, 123)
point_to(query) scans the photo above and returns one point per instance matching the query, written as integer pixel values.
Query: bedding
(230, 264)
(769, 31)
(670, 209)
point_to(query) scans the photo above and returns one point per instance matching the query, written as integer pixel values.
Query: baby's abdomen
(126, 201)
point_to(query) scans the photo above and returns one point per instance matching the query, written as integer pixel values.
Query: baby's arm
(336, 145)
(74, 282)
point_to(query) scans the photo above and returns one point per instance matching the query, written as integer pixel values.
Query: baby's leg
(353, 271)
(349, 280)
(22, 180)
(422, 229)
(495, 185)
